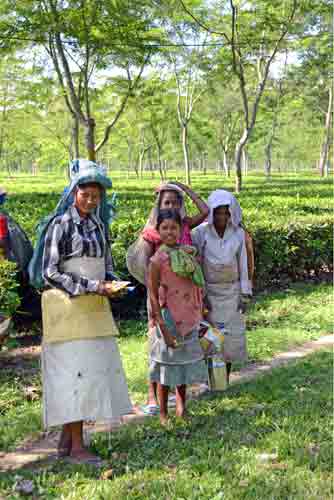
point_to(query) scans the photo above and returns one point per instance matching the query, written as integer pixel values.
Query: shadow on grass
(286, 415)
(294, 401)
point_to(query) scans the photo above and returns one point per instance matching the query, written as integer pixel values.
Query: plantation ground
(265, 439)
(241, 425)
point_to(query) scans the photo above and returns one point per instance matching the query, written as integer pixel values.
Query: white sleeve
(197, 238)
(245, 283)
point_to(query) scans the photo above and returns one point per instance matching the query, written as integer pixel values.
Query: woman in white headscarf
(221, 242)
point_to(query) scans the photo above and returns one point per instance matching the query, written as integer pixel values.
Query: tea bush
(9, 298)
(289, 218)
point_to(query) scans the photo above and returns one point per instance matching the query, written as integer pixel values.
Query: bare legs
(181, 394)
(163, 391)
(152, 394)
(71, 442)
(180, 411)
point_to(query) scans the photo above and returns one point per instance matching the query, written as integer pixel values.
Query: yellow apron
(76, 318)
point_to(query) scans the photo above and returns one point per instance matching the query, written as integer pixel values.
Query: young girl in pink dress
(168, 196)
(175, 283)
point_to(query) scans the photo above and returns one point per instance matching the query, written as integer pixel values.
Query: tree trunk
(267, 161)
(149, 161)
(204, 165)
(245, 161)
(186, 153)
(141, 160)
(226, 164)
(238, 161)
(160, 162)
(326, 141)
(75, 150)
(90, 139)
(165, 168)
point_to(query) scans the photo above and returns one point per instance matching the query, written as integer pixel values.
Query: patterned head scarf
(85, 172)
(81, 172)
(220, 197)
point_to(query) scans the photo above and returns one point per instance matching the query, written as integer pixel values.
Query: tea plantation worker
(169, 195)
(175, 282)
(83, 377)
(221, 242)
(16, 247)
(4, 321)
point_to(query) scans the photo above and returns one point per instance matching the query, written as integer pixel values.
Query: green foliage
(9, 298)
(289, 218)
(293, 251)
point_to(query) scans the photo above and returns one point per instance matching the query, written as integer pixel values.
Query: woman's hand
(195, 220)
(170, 340)
(107, 288)
(168, 337)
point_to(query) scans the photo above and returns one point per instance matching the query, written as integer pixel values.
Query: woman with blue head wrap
(83, 377)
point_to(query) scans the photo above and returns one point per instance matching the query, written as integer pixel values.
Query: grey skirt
(83, 380)
(174, 375)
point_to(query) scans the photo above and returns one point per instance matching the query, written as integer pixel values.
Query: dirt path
(35, 451)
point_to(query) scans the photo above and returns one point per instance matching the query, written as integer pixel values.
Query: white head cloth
(220, 197)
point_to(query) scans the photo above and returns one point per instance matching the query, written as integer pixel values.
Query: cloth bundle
(184, 263)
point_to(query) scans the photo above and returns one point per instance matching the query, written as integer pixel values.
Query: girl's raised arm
(203, 208)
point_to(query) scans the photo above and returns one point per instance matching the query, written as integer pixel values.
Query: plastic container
(217, 374)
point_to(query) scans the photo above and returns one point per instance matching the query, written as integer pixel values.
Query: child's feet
(164, 420)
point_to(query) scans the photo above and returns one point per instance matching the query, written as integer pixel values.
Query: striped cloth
(70, 236)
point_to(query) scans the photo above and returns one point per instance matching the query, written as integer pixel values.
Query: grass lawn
(266, 439)
(276, 322)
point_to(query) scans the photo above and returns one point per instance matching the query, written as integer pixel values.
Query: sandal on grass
(150, 409)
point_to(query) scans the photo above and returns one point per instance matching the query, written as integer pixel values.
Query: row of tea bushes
(292, 251)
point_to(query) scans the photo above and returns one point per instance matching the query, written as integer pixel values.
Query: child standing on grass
(175, 282)
(171, 196)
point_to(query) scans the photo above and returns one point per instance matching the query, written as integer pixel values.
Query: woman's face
(170, 201)
(170, 232)
(221, 217)
(87, 198)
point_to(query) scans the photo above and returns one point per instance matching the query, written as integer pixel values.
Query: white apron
(83, 379)
(223, 292)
